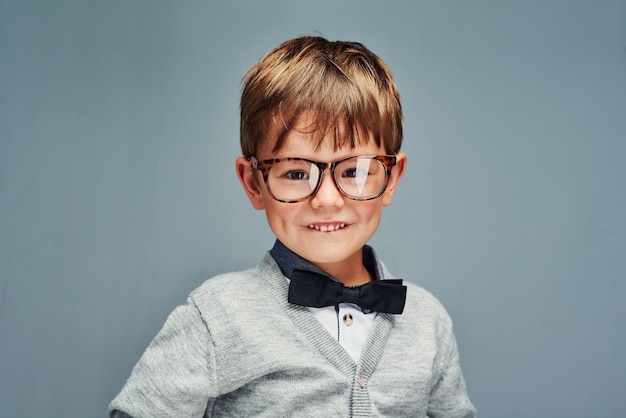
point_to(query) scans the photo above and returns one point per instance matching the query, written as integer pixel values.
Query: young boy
(319, 328)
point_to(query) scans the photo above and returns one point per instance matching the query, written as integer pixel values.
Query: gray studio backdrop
(118, 196)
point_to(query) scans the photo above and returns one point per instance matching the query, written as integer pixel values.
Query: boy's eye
(295, 175)
(354, 172)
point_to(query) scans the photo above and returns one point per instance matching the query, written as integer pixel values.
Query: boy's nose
(328, 194)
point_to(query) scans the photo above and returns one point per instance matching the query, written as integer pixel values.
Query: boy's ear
(248, 180)
(397, 172)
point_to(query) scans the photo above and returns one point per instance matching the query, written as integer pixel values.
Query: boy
(319, 328)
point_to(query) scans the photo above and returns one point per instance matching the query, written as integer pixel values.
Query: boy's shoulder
(244, 289)
(228, 285)
(419, 295)
(421, 301)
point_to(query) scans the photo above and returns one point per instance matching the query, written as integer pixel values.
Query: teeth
(327, 227)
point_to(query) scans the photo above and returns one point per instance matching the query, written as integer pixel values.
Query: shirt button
(347, 319)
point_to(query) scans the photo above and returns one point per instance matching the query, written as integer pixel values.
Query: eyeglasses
(292, 179)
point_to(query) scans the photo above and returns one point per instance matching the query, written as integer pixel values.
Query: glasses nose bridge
(323, 166)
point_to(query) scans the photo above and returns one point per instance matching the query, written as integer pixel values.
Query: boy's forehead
(310, 131)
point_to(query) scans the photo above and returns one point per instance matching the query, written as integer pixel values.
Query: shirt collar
(288, 261)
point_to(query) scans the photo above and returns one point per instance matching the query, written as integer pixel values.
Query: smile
(328, 227)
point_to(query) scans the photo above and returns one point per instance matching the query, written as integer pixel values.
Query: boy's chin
(328, 255)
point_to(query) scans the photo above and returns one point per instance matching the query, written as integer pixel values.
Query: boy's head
(321, 134)
(344, 88)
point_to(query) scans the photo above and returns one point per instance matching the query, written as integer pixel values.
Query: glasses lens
(361, 177)
(292, 179)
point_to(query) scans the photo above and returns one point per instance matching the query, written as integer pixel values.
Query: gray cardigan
(239, 349)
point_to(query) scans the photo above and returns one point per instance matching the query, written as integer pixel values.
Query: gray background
(118, 196)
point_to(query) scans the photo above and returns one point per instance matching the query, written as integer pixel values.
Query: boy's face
(327, 229)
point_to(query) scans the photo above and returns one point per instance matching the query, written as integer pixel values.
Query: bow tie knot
(350, 294)
(312, 289)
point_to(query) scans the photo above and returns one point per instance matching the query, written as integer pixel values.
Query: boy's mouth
(328, 227)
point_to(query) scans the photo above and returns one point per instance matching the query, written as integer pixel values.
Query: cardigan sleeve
(448, 398)
(175, 376)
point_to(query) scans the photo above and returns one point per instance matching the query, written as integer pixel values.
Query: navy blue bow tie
(312, 289)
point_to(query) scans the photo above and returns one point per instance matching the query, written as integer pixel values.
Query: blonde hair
(343, 85)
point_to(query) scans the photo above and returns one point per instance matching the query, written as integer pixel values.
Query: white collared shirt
(347, 324)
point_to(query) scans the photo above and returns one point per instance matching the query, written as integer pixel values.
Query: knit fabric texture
(237, 348)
